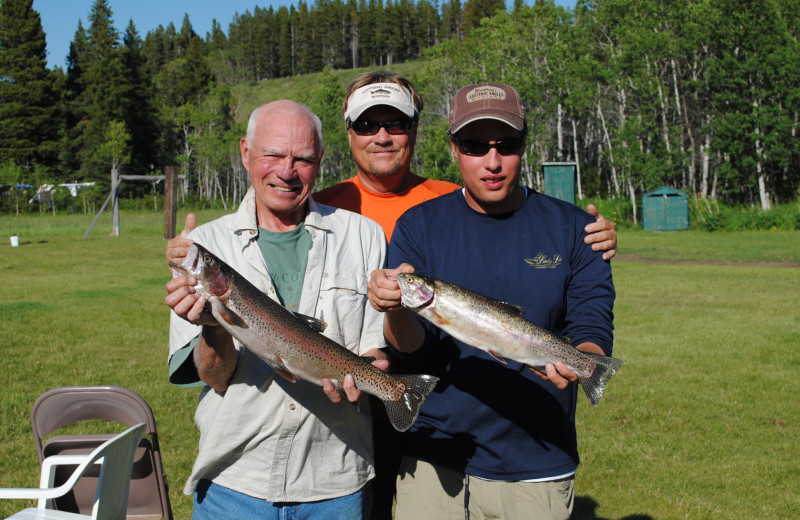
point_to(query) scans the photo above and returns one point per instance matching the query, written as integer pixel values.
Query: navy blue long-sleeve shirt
(485, 418)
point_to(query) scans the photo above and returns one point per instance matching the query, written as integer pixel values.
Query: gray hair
(289, 105)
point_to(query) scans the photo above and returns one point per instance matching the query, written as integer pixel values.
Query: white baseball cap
(390, 94)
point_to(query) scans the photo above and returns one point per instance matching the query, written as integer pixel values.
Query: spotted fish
(499, 329)
(293, 345)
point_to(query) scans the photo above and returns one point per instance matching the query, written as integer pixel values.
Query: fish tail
(403, 412)
(595, 383)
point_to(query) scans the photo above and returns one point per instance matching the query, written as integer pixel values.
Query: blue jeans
(214, 502)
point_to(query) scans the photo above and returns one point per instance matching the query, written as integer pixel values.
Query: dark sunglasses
(399, 127)
(479, 148)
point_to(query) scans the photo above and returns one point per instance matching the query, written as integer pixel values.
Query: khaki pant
(429, 492)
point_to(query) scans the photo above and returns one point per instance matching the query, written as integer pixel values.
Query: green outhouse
(559, 180)
(665, 209)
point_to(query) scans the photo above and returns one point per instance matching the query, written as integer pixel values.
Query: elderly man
(267, 445)
(494, 441)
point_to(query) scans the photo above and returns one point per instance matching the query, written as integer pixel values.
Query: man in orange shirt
(381, 111)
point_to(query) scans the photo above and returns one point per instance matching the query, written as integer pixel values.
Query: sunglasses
(398, 127)
(479, 148)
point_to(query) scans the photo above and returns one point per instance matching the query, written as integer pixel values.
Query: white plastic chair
(111, 498)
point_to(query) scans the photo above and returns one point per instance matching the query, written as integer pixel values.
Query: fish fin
(403, 412)
(281, 369)
(231, 317)
(312, 322)
(513, 308)
(498, 357)
(439, 320)
(595, 383)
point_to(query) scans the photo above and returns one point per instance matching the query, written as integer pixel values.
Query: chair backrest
(148, 496)
(113, 485)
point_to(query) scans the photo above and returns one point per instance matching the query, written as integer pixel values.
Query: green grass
(702, 422)
(717, 247)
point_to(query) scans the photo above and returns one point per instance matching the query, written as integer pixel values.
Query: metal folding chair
(148, 498)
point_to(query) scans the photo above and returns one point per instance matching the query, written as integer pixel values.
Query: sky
(60, 17)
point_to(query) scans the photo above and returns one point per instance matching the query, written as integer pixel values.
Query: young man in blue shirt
(497, 440)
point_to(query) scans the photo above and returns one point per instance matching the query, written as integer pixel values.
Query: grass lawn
(702, 422)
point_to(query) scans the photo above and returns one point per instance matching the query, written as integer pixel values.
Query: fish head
(206, 268)
(189, 266)
(417, 291)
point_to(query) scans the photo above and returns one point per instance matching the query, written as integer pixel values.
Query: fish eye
(206, 259)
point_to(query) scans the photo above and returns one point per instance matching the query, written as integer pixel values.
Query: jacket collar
(245, 222)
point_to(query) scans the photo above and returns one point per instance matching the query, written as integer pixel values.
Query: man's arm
(602, 235)
(215, 357)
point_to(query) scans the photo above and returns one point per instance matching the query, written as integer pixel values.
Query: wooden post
(115, 202)
(170, 201)
(96, 217)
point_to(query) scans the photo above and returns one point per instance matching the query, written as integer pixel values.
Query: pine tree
(139, 114)
(452, 20)
(475, 10)
(184, 37)
(104, 88)
(28, 104)
(74, 111)
(287, 27)
(195, 78)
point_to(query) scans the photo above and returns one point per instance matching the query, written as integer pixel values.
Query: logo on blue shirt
(542, 261)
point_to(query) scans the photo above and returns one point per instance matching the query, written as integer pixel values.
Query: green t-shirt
(286, 256)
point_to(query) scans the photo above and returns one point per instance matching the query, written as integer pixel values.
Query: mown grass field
(702, 422)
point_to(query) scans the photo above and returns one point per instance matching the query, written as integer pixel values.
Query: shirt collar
(245, 222)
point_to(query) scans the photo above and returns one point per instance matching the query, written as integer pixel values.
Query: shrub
(619, 211)
(709, 215)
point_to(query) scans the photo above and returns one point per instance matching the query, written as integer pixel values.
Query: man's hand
(560, 374)
(349, 385)
(382, 289)
(602, 235)
(186, 303)
(178, 247)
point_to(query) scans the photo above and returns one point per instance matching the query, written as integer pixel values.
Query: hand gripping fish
(499, 329)
(292, 345)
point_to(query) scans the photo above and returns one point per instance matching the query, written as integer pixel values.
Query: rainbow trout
(292, 345)
(499, 329)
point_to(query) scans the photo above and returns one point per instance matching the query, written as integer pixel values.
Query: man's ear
(245, 150)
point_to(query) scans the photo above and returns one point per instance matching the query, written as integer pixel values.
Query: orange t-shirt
(383, 208)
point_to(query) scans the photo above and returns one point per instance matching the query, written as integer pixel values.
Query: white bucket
(15, 241)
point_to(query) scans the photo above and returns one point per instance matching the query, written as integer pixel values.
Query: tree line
(701, 95)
